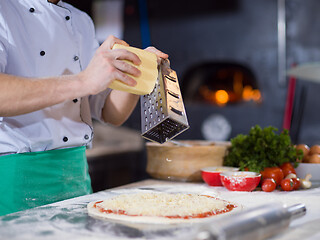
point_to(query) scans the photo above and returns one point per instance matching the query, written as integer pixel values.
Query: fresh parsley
(261, 148)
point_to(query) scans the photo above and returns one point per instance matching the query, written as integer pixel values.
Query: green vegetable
(260, 149)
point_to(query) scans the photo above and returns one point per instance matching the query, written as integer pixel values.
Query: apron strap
(28, 180)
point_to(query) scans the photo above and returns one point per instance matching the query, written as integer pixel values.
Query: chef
(54, 79)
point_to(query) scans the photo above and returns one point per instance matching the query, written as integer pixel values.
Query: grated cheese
(163, 204)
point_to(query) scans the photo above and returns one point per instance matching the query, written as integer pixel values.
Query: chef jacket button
(67, 18)
(42, 53)
(65, 139)
(75, 58)
(86, 137)
(75, 100)
(31, 10)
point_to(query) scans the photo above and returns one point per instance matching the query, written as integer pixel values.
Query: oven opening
(220, 83)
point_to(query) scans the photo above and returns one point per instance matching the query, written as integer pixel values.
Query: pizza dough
(159, 208)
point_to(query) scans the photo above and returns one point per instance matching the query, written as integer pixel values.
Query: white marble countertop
(69, 219)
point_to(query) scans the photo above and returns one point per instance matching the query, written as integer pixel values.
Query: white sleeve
(3, 40)
(96, 104)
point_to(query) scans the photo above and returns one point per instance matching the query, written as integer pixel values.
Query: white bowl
(305, 168)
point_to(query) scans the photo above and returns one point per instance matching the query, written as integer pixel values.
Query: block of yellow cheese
(149, 72)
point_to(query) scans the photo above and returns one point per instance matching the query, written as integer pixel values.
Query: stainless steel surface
(282, 42)
(163, 115)
(258, 223)
(297, 211)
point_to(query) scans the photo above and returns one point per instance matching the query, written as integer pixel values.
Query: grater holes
(164, 130)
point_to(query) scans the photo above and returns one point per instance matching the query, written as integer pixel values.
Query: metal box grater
(163, 115)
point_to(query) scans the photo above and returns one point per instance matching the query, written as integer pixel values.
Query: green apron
(33, 179)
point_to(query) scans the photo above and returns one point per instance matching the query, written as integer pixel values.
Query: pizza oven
(220, 84)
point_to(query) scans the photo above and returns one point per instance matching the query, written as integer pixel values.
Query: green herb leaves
(261, 148)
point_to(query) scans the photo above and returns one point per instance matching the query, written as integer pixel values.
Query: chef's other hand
(158, 53)
(107, 66)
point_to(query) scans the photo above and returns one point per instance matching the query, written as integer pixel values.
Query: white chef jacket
(41, 39)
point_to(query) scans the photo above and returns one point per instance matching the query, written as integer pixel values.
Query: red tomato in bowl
(287, 168)
(275, 173)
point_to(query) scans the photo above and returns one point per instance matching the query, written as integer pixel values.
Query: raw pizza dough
(160, 208)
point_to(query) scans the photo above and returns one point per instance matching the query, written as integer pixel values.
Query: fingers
(122, 54)
(118, 55)
(127, 68)
(110, 41)
(122, 68)
(157, 52)
(121, 76)
(114, 64)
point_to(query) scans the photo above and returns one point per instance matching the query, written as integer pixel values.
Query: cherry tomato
(296, 183)
(268, 185)
(287, 184)
(287, 168)
(273, 172)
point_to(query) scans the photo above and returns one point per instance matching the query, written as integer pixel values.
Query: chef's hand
(107, 66)
(158, 53)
